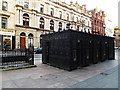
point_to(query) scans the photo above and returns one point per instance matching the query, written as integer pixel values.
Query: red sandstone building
(98, 22)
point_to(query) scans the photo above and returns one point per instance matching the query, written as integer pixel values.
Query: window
(4, 22)
(83, 23)
(42, 23)
(60, 14)
(78, 27)
(51, 11)
(77, 19)
(73, 18)
(98, 32)
(4, 6)
(95, 22)
(60, 26)
(67, 15)
(26, 3)
(102, 24)
(88, 31)
(52, 25)
(41, 8)
(30, 40)
(25, 19)
(68, 26)
(84, 29)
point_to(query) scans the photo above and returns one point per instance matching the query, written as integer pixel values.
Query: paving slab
(107, 79)
(45, 76)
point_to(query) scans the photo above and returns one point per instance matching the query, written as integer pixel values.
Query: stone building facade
(42, 16)
(109, 30)
(28, 19)
(117, 36)
(7, 23)
(98, 22)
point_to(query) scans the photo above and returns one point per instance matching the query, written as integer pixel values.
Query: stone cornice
(28, 27)
(57, 4)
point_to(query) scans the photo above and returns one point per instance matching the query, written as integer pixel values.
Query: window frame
(51, 12)
(25, 18)
(67, 26)
(67, 16)
(42, 23)
(60, 14)
(77, 19)
(78, 27)
(51, 25)
(6, 5)
(26, 2)
(41, 8)
(60, 26)
(2, 22)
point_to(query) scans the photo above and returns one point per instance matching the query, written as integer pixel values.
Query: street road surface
(37, 57)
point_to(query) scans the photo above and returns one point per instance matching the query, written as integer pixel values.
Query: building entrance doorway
(22, 40)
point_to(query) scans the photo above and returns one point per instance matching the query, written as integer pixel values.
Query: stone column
(63, 26)
(26, 40)
(32, 20)
(17, 39)
(21, 17)
(47, 24)
(35, 21)
(17, 17)
(55, 26)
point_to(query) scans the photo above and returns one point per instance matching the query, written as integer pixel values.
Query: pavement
(107, 79)
(101, 75)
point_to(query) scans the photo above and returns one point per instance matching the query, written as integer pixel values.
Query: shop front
(7, 40)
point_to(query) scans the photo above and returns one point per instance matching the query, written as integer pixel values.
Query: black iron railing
(18, 57)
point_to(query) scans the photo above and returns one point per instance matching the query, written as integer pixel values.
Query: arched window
(4, 5)
(26, 3)
(41, 8)
(73, 18)
(42, 23)
(23, 34)
(88, 23)
(83, 23)
(67, 15)
(60, 26)
(85, 30)
(30, 40)
(60, 14)
(88, 30)
(52, 25)
(68, 26)
(25, 19)
(102, 24)
(95, 22)
(51, 11)
(78, 27)
(77, 19)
